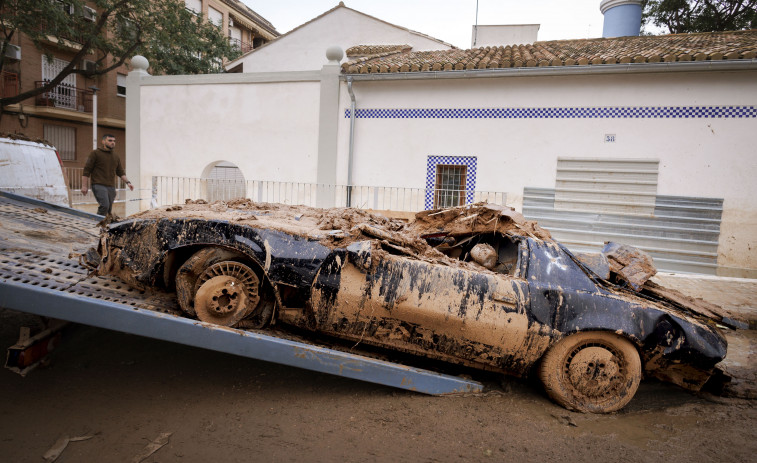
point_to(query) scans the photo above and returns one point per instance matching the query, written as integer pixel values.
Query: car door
(444, 311)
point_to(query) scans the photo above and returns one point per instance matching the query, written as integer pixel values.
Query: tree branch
(66, 71)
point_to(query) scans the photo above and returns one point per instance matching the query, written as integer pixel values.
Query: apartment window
(449, 188)
(121, 84)
(195, 6)
(68, 8)
(215, 16)
(235, 34)
(63, 138)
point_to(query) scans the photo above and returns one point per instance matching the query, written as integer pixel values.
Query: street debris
(60, 445)
(152, 447)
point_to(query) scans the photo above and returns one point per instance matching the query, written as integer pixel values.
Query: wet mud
(224, 408)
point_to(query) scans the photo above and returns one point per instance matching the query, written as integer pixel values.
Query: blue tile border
(640, 112)
(470, 177)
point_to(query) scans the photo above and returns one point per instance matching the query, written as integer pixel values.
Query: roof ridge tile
(716, 46)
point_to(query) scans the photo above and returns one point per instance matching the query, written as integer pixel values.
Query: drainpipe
(94, 116)
(352, 141)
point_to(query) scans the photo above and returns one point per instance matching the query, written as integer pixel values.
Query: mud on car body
(477, 285)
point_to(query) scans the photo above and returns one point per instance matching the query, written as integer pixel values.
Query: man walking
(102, 164)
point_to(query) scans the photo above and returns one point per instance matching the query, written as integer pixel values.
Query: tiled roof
(643, 49)
(367, 50)
(363, 53)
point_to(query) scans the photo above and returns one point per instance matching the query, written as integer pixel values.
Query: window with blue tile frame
(450, 181)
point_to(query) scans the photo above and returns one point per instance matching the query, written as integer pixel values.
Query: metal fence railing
(66, 96)
(240, 45)
(72, 176)
(176, 190)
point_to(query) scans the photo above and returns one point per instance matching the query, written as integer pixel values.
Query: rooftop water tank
(622, 17)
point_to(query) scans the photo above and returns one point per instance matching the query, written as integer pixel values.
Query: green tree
(683, 16)
(172, 38)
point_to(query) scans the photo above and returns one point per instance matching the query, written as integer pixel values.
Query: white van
(32, 169)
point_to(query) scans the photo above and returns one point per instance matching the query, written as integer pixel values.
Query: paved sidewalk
(738, 296)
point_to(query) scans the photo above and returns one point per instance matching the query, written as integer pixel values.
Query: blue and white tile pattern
(630, 112)
(470, 177)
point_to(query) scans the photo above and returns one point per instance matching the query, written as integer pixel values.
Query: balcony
(8, 84)
(68, 39)
(65, 96)
(240, 45)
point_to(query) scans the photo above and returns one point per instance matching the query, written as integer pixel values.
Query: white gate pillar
(328, 129)
(133, 157)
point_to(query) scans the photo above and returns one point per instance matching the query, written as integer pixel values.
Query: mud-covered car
(477, 285)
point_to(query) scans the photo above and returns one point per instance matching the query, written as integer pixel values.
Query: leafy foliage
(683, 16)
(172, 38)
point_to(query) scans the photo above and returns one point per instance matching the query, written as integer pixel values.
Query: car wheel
(216, 287)
(591, 372)
(226, 293)
(186, 276)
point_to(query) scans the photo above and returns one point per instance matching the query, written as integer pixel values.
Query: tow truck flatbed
(40, 274)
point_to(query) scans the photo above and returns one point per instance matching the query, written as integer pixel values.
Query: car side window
(498, 253)
(548, 265)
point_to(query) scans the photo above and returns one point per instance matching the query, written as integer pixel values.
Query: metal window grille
(64, 95)
(449, 190)
(64, 140)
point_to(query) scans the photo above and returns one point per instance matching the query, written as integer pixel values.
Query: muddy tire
(208, 287)
(226, 292)
(591, 372)
(189, 272)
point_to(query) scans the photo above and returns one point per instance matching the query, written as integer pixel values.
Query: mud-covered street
(126, 391)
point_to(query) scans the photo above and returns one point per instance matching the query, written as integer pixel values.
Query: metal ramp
(40, 275)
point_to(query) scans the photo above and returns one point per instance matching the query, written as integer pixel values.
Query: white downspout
(352, 141)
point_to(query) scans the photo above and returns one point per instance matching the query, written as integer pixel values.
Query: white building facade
(301, 49)
(662, 146)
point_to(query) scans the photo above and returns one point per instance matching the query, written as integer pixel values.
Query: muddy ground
(125, 391)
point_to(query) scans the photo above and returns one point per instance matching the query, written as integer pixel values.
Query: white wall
(268, 130)
(692, 150)
(271, 132)
(305, 48)
(703, 157)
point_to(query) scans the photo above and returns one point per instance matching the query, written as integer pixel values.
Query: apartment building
(246, 29)
(64, 115)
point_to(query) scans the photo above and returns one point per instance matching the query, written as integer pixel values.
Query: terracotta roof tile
(643, 49)
(368, 50)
